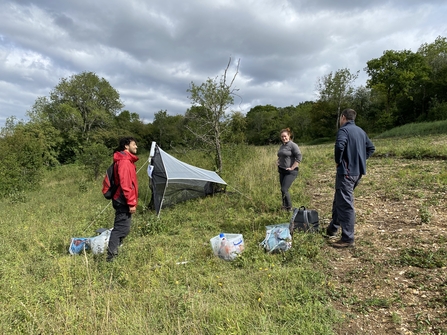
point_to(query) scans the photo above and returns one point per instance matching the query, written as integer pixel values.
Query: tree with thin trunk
(206, 119)
(337, 88)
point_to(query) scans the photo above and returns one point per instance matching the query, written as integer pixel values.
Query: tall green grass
(166, 279)
(415, 147)
(417, 129)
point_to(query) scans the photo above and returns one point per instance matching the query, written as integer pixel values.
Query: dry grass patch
(395, 280)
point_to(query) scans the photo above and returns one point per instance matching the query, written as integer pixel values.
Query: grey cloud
(151, 51)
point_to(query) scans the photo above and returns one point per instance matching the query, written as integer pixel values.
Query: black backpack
(304, 220)
(108, 185)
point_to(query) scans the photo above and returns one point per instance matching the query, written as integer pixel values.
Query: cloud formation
(151, 51)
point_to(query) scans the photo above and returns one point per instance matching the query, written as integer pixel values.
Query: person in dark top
(352, 148)
(289, 159)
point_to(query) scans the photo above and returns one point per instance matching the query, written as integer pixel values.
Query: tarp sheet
(174, 181)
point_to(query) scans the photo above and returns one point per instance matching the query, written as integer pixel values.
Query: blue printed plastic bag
(277, 238)
(77, 245)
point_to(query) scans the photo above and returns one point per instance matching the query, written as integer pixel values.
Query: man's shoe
(330, 234)
(342, 244)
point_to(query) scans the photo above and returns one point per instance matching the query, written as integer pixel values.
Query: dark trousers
(121, 228)
(286, 178)
(343, 213)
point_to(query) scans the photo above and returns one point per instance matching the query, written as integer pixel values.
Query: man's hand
(133, 209)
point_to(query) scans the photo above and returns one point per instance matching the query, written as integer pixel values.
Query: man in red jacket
(125, 199)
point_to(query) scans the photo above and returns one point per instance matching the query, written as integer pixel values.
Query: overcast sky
(150, 51)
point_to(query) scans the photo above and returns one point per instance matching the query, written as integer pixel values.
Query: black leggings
(286, 178)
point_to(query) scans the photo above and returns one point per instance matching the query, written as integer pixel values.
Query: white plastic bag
(99, 243)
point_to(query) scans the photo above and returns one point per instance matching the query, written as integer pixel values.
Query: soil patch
(395, 279)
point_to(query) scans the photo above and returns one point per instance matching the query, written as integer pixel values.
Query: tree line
(83, 116)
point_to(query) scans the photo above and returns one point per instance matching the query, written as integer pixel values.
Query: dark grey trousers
(343, 212)
(286, 179)
(121, 228)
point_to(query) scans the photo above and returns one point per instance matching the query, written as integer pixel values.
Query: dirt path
(395, 280)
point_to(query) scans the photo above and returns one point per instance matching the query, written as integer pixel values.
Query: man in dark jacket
(352, 148)
(125, 199)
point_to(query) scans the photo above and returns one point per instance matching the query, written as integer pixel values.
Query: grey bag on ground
(304, 220)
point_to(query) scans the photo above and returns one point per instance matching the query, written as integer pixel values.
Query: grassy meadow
(166, 279)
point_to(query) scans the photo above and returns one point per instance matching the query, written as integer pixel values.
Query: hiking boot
(342, 244)
(330, 234)
(111, 257)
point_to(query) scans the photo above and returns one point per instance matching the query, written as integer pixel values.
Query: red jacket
(126, 177)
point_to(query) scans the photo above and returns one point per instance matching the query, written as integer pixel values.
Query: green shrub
(96, 157)
(21, 163)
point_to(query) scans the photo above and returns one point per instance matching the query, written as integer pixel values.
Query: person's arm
(340, 145)
(278, 160)
(370, 148)
(125, 170)
(294, 166)
(297, 156)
